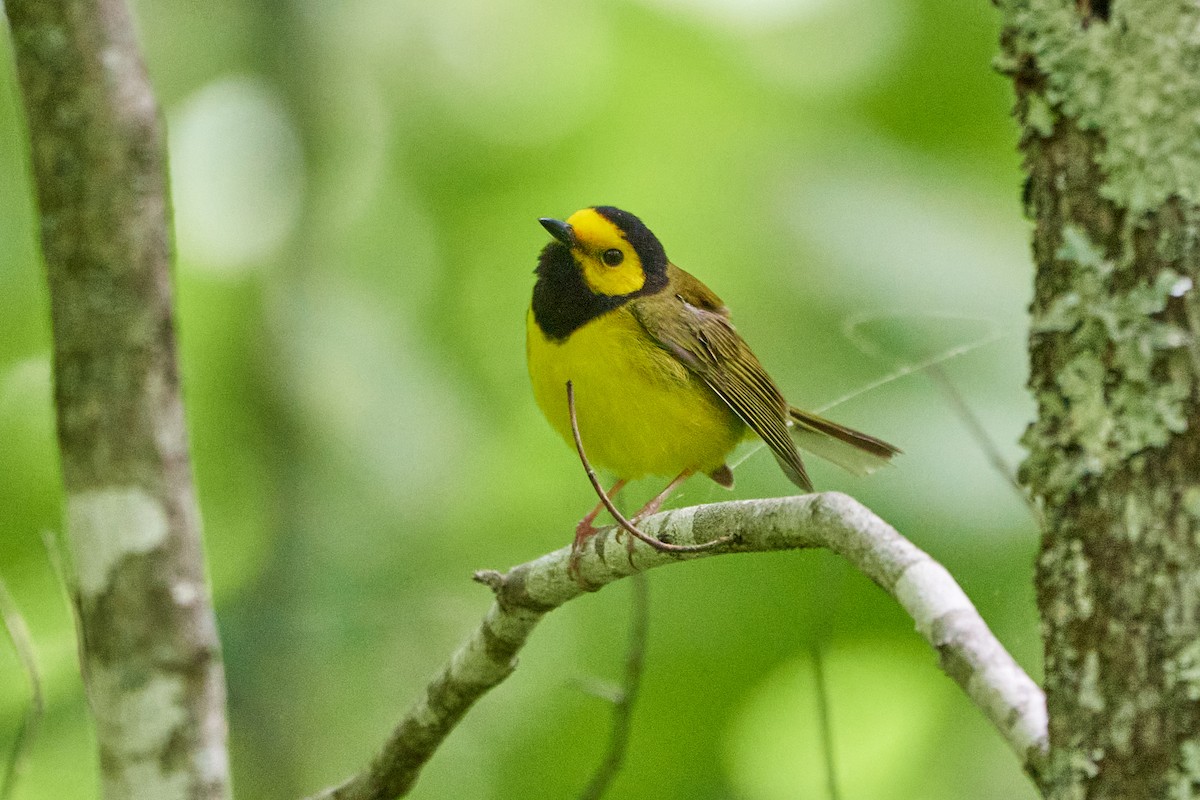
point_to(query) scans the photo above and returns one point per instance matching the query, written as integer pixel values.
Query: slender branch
(22, 641)
(968, 651)
(980, 434)
(626, 697)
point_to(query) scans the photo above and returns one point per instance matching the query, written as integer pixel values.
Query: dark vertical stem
(832, 579)
(825, 721)
(623, 705)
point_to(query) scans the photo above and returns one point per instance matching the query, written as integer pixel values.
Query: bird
(663, 384)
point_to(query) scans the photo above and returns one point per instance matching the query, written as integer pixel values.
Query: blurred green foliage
(356, 186)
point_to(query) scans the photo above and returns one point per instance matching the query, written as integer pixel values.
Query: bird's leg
(625, 524)
(585, 530)
(652, 508)
(654, 505)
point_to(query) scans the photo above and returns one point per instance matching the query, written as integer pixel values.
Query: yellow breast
(640, 411)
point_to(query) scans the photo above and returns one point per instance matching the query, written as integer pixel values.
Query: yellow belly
(640, 411)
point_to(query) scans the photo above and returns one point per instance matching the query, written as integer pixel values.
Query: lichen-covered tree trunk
(151, 661)
(1108, 96)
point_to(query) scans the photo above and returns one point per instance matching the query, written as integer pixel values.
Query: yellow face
(609, 264)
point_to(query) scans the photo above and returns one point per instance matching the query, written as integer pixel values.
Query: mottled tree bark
(150, 656)
(1108, 96)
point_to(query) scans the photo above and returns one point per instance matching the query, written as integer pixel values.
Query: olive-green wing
(703, 339)
(685, 285)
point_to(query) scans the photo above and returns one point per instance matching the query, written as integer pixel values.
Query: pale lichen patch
(1183, 671)
(186, 593)
(1121, 724)
(1185, 778)
(1134, 516)
(145, 781)
(1078, 247)
(1086, 765)
(1090, 696)
(106, 525)
(212, 764)
(1078, 570)
(1106, 403)
(1136, 79)
(1191, 503)
(137, 719)
(1039, 116)
(136, 724)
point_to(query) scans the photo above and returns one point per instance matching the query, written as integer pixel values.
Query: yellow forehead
(594, 234)
(594, 231)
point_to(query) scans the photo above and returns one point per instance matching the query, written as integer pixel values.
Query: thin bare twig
(22, 641)
(629, 527)
(623, 704)
(850, 330)
(944, 616)
(57, 555)
(933, 366)
(981, 436)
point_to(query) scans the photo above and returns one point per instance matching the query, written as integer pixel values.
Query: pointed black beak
(559, 230)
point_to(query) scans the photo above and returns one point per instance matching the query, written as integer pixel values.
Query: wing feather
(693, 324)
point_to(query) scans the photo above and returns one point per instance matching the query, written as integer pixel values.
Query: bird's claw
(583, 531)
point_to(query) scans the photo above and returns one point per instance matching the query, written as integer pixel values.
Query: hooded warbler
(663, 383)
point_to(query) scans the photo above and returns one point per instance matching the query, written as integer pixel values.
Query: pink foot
(583, 531)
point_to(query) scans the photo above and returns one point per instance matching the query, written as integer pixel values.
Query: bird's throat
(562, 301)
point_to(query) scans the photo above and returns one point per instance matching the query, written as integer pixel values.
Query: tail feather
(852, 450)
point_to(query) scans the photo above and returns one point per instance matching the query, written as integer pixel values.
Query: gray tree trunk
(1108, 96)
(150, 658)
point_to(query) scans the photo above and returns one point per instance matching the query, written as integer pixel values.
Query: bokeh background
(356, 187)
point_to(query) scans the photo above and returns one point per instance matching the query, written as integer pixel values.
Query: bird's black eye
(613, 257)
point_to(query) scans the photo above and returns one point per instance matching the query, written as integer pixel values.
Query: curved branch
(968, 651)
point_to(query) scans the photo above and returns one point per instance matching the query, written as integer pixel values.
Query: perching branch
(968, 651)
(151, 661)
